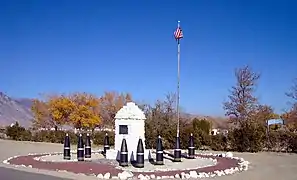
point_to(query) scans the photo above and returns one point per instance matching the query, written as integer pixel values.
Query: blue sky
(128, 46)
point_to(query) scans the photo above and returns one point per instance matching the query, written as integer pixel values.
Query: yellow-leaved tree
(85, 111)
(60, 108)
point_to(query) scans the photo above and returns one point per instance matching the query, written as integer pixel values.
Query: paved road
(11, 174)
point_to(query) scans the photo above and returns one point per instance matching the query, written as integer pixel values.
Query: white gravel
(186, 164)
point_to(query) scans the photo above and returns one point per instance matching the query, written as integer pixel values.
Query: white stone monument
(129, 124)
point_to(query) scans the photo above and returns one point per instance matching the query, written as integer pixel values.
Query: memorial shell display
(109, 163)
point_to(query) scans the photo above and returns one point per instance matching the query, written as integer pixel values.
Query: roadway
(12, 174)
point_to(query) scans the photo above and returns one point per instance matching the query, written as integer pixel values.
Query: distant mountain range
(12, 110)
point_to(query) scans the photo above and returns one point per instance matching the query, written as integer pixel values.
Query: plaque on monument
(123, 129)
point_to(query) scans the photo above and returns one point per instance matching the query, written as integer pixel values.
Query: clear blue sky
(128, 46)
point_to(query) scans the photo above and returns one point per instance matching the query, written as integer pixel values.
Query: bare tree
(242, 102)
(291, 116)
(264, 113)
(161, 120)
(293, 91)
(110, 103)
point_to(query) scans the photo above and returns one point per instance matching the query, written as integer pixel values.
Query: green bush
(18, 133)
(201, 125)
(200, 128)
(219, 142)
(51, 136)
(249, 137)
(98, 137)
(2, 130)
(185, 132)
(293, 142)
(278, 140)
(59, 136)
(162, 126)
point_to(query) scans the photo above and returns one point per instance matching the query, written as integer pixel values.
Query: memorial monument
(129, 124)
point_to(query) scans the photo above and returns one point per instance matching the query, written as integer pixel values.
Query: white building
(129, 124)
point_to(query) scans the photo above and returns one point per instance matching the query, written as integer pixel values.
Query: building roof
(130, 111)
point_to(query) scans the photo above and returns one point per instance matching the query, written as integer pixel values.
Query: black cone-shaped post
(191, 148)
(80, 148)
(177, 150)
(159, 152)
(67, 155)
(124, 154)
(88, 149)
(106, 143)
(139, 154)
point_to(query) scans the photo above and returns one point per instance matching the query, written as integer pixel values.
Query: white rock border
(242, 166)
(214, 161)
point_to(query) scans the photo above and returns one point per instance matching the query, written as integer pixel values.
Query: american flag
(178, 33)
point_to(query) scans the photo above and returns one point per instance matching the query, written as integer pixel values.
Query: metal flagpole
(178, 80)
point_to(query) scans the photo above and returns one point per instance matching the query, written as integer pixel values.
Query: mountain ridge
(12, 110)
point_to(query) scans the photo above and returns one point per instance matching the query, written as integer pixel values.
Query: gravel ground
(272, 166)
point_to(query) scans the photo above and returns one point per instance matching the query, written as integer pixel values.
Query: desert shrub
(168, 140)
(39, 136)
(19, 133)
(2, 130)
(284, 140)
(150, 140)
(185, 131)
(205, 139)
(219, 142)
(292, 145)
(98, 137)
(3, 133)
(249, 137)
(53, 136)
(201, 125)
(3, 136)
(278, 140)
(59, 136)
(200, 128)
(154, 128)
(72, 136)
(201, 131)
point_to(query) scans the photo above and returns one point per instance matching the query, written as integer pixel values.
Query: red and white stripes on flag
(178, 33)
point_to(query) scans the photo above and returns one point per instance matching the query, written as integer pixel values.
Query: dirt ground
(272, 166)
